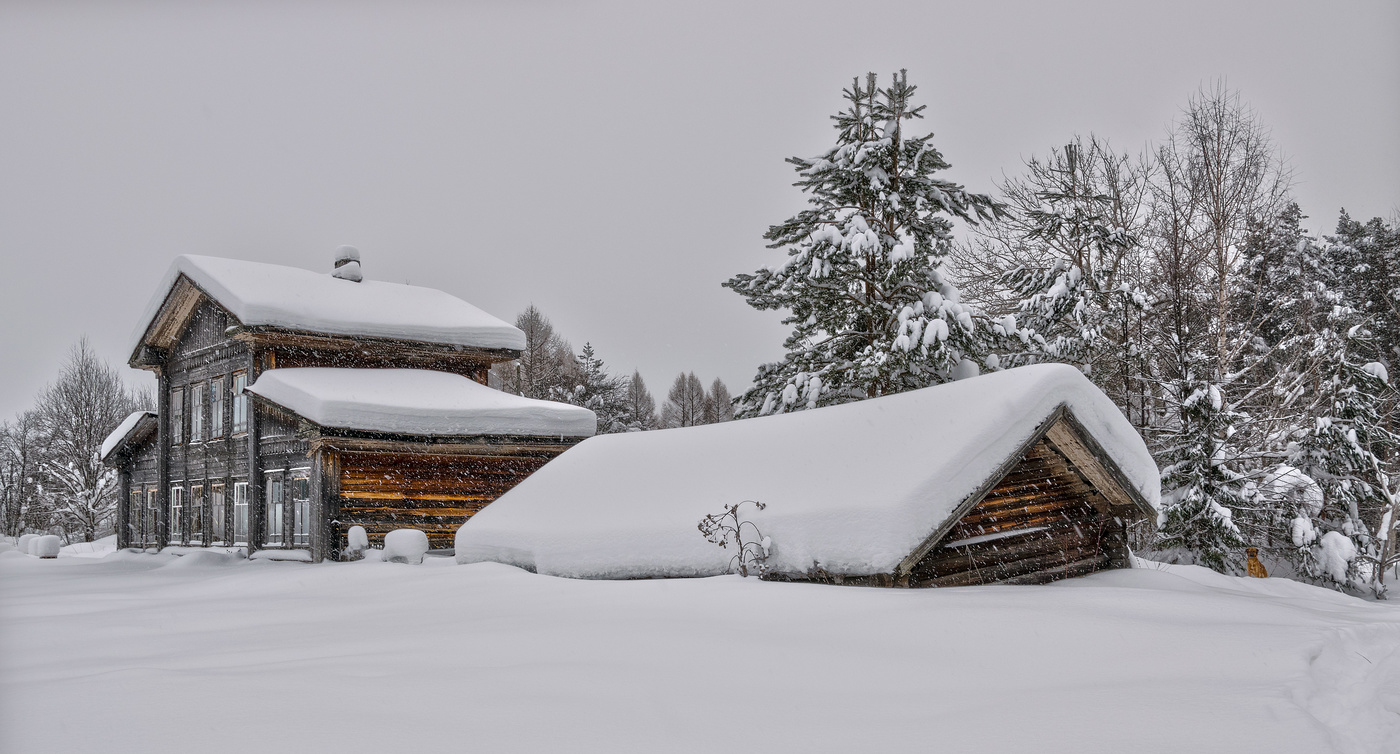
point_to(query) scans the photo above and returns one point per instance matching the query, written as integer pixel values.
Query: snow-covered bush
(727, 528)
(357, 541)
(23, 544)
(405, 546)
(46, 546)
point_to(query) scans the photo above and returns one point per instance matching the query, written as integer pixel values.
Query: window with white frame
(197, 412)
(148, 536)
(273, 521)
(196, 514)
(134, 513)
(177, 512)
(240, 402)
(240, 513)
(218, 532)
(301, 510)
(177, 415)
(216, 407)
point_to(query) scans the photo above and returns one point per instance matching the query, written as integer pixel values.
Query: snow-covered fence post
(727, 528)
(357, 541)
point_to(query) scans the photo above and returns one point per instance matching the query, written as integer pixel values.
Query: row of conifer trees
(549, 369)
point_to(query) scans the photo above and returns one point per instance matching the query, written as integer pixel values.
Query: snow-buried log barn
(1021, 476)
(294, 405)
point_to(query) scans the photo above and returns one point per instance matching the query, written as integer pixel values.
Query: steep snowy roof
(852, 488)
(415, 402)
(127, 428)
(261, 294)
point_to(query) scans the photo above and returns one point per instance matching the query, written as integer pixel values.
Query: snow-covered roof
(274, 295)
(415, 402)
(124, 430)
(853, 488)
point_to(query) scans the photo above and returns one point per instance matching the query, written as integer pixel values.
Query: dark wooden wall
(1067, 530)
(203, 352)
(434, 493)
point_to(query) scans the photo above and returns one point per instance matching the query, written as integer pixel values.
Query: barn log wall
(383, 491)
(1040, 523)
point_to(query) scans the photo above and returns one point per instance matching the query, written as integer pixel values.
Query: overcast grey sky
(610, 162)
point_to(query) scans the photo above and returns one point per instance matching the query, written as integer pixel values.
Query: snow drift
(852, 488)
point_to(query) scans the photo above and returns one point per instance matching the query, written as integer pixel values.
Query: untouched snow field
(205, 652)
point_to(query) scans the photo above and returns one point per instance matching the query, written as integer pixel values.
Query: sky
(611, 163)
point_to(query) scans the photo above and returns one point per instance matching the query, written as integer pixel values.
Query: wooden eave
(320, 437)
(1068, 437)
(163, 331)
(165, 328)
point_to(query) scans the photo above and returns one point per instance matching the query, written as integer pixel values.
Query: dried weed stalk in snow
(727, 528)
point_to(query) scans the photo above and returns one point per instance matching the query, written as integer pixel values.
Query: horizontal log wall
(434, 493)
(1053, 526)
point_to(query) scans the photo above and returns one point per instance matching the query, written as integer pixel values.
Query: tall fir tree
(719, 406)
(1199, 490)
(871, 306)
(1079, 303)
(598, 391)
(685, 403)
(1343, 451)
(641, 406)
(546, 365)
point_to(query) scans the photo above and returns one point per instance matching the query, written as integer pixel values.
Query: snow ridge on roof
(416, 402)
(120, 433)
(261, 294)
(852, 488)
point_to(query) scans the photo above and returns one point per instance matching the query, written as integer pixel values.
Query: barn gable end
(1040, 523)
(1060, 509)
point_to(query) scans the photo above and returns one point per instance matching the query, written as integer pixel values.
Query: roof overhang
(143, 431)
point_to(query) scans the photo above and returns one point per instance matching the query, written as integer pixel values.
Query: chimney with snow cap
(347, 264)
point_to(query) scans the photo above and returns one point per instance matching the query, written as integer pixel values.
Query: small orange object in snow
(1256, 569)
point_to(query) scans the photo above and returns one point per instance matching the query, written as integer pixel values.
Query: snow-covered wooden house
(1021, 476)
(293, 405)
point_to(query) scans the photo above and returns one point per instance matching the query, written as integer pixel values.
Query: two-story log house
(293, 405)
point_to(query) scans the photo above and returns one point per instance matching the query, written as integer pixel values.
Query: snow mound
(46, 546)
(416, 401)
(98, 548)
(24, 542)
(851, 488)
(405, 546)
(273, 295)
(202, 559)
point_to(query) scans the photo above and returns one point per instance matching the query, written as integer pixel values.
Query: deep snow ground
(153, 653)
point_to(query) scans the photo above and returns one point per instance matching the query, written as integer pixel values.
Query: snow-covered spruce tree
(872, 309)
(1079, 303)
(1343, 452)
(598, 391)
(1199, 490)
(1280, 297)
(1369, 254)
